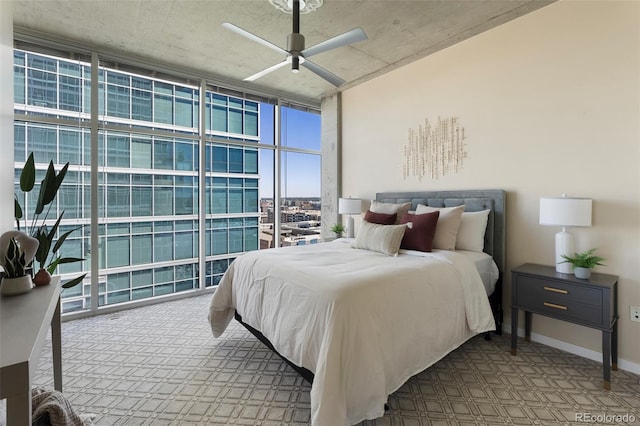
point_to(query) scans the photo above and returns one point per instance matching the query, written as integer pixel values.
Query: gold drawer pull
(556, 290)
(553, 305)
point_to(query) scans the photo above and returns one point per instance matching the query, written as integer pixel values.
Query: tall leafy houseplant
(37, 228)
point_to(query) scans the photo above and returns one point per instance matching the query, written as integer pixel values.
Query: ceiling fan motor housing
(295, 43)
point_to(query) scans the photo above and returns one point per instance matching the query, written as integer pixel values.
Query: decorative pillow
(471, 232)
(420, 231)
(380, 218)
(448, 224)
(390, 208)
(381, 238)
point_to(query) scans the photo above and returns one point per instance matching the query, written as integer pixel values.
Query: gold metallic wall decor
(434, 150)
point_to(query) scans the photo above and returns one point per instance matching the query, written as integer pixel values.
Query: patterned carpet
(159, 365)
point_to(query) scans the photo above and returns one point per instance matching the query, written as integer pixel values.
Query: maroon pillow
(380, 218)
(420, 235)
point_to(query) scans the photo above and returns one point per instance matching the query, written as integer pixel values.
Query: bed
(358, 323)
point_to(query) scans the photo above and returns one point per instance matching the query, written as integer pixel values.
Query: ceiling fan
(296, 53)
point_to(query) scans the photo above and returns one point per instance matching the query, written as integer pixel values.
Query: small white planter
(582, 273)
(15, 286)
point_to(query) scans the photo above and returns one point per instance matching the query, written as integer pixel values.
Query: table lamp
(349, 206)
(565, 212)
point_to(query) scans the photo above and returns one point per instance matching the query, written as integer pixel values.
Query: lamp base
(565, 244)
(350, 227)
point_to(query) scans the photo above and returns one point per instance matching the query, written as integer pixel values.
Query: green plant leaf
(28, 175)
(52, 233)
(17, 211)
(48, 189)
(73, 282)
(61, 175)
(43, 247)
(62, 238)
(70, 260)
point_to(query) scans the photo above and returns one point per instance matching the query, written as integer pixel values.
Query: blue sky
(301, 172)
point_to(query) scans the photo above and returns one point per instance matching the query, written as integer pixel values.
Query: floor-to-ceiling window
(155, 162)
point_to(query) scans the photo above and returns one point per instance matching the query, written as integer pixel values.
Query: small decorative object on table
(18, 254)
(583, 263)
(338, 229)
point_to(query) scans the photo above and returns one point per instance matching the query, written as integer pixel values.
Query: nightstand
(539, 289)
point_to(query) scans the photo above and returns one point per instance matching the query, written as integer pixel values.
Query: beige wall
(550, 103)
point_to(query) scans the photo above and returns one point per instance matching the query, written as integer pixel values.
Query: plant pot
(582, 273)
(42, 277)
(15, 286)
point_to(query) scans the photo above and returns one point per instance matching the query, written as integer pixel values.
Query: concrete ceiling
(188, 33)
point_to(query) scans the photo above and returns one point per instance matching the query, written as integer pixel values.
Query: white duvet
(362, 322)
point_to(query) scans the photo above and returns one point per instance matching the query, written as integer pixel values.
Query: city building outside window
(149, 175)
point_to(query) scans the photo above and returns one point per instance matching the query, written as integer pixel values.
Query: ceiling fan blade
(353, 36)
(268, 70)
(327, 75)
(254, 37)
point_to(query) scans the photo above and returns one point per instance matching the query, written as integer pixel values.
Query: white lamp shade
(349, 206)
(565, 211)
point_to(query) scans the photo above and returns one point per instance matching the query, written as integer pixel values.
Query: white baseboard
(629, 366)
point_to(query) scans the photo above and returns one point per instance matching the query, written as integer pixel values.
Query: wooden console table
(24, 323)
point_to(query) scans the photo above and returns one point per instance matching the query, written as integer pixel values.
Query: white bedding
(486, 267)
(362, 322)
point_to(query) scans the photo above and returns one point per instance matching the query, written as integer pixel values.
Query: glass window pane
(141, 105)
(235, 201)
(163, 201)
(235, 240)
(184, 245)
(163, 109)
(251, 123)
(235, 121)
(117, 251)
(220, 244)
(184, 201)
(219, 118)
(163, 155)
(184, 156)
(118, 150)
(220, 159)
(235, 160)
(141, 201)
(250, 239)
(184, 112)
(70, 146)
(118, 201)
(163, 247)
(142, 249)
(141, 153)
(300, 129)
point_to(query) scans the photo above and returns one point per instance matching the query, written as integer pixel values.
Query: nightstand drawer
(559, 290)
(559, 299)
(584, 313)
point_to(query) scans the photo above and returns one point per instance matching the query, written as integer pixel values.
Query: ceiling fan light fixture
(306, 6)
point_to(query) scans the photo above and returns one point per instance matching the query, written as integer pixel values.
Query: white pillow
(448, 224)
(381, 238)
(390, 208)
(471, 232)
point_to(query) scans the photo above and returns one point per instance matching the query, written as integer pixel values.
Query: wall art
(434, 150)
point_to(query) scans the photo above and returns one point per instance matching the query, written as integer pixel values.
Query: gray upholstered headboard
(474, 200)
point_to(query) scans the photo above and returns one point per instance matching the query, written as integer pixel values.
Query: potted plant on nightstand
(338, 229)
(583, 263)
